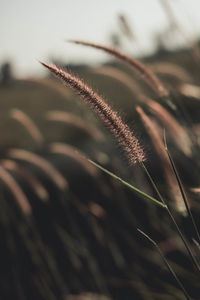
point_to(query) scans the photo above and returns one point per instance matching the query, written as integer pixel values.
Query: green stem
(166, 263)
(193, 259)
(181, 189)
(128, 185)
(183, 195)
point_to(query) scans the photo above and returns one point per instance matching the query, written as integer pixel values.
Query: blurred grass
(84, 239)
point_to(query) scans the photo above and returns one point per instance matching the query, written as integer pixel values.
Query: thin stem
(153, 183)
(195, 262)
(193, 259)
(181, 189)
(128, 184)
(183, 195)
(166, 263)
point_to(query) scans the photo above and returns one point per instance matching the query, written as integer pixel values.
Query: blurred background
(68, 229)
(39, 31)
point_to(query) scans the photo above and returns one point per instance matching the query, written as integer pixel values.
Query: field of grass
(69, 227)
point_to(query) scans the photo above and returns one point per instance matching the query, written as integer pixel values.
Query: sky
(39, 29)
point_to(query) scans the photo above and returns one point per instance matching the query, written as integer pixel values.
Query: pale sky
(37, 30)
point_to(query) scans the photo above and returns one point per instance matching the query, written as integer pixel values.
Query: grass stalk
(193, 259)
(143, 71)
(130, 186)
(166, 263)
(181, 189)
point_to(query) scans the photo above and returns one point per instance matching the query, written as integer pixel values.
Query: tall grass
(83, 240)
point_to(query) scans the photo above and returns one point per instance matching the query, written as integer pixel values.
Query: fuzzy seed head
(113, 121)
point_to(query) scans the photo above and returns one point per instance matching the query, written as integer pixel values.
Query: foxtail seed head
(113, 121)
(143, 71)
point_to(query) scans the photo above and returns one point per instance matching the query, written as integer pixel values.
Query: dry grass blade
(195, 190)
(176, 27)
(125, 27)
(74, 154)
(182, 190)
(41, 163)
(16, 190)
(196, 132)
(144, 72)
(174, 129)
(30, 126)
(87, 296)
(69, 118)
(190, 90)
(172, 70)
(121, 131)
(121, 76)
(156, 139)
(36, 185)
(51, 84)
